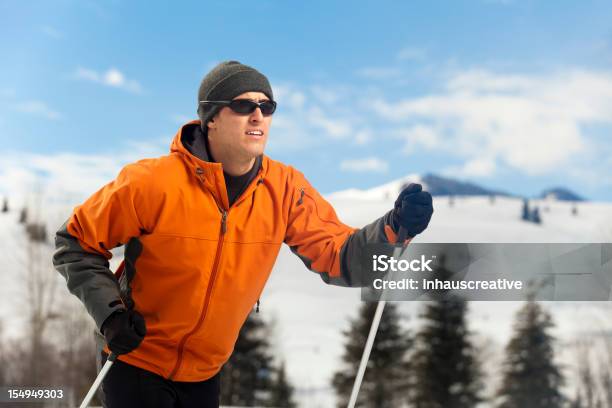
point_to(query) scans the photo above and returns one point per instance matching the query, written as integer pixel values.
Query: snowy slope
(309, 316)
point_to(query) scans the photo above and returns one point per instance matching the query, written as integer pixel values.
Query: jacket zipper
(211, 282)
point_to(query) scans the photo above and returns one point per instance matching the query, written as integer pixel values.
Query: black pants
(126, 386)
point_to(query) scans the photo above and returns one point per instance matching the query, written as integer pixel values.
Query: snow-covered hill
(310, 316)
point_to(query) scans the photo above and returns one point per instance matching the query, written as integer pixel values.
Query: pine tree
(525, 211)
(5, 205)
(386, 375)
(246, 377)
(23, 215)
(531, 379)
(574, 209)
(446, 371)
(282, 392)
(535, 216)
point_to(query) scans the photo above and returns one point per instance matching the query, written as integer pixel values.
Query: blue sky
(515, 95)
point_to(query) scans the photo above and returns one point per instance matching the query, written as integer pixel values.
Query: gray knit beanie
(226, 81)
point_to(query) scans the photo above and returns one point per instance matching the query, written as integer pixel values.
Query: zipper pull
(301, 200)
(223, 222)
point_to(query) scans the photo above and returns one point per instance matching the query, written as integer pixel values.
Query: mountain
(387, 191)
(561, 194)
(436, 185)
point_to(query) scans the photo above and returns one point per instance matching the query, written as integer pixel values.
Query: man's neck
(234, 168)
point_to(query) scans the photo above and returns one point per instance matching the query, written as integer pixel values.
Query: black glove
(124, 330)
(413, 210)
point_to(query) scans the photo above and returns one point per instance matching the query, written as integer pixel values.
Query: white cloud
(379, 73)
(66, 179)
(289, 133)
(37, 108)
(534, 124)
(478, 167)
(325, 95)
(479, 80)
(112, 77)
(363, 137)
(367, 164)
(308, 117)
(303, 121)
(289, 96)
(411, 54)
(420, 136)
(337, 128)
(87, 74)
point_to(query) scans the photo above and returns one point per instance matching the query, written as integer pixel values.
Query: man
(202, 227)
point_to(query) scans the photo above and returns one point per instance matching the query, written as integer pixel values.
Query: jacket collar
(211, 173)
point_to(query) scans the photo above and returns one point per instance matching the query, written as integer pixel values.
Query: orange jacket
(194, 267)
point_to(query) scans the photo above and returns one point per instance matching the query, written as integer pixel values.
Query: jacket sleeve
(109, 218)
(325, 244)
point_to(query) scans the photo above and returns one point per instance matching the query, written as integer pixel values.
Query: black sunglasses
(246, 106)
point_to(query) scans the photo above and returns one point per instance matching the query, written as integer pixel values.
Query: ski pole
(397, 253)
(109, 362)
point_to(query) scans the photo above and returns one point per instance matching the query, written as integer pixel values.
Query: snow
(310, 316)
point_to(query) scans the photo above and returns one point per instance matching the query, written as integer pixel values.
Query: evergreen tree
(446, 371)
(535, 216)
(282, 392)
(577, 402)
(23, 216)
(5, 206)
(531, 379)
(525, 211)
(246, 377)
(387, 371)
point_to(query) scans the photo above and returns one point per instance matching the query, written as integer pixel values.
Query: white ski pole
(397, 253)
(109, 362)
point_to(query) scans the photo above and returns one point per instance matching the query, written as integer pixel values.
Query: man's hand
(413, 210)
(124, 331)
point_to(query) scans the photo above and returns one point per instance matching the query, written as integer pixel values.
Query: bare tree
(40, 297)
(77, 358)
(587, 381)
(33, 355)
(605, 373)
(3, 358)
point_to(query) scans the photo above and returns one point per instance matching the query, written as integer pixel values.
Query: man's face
(230, 133)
